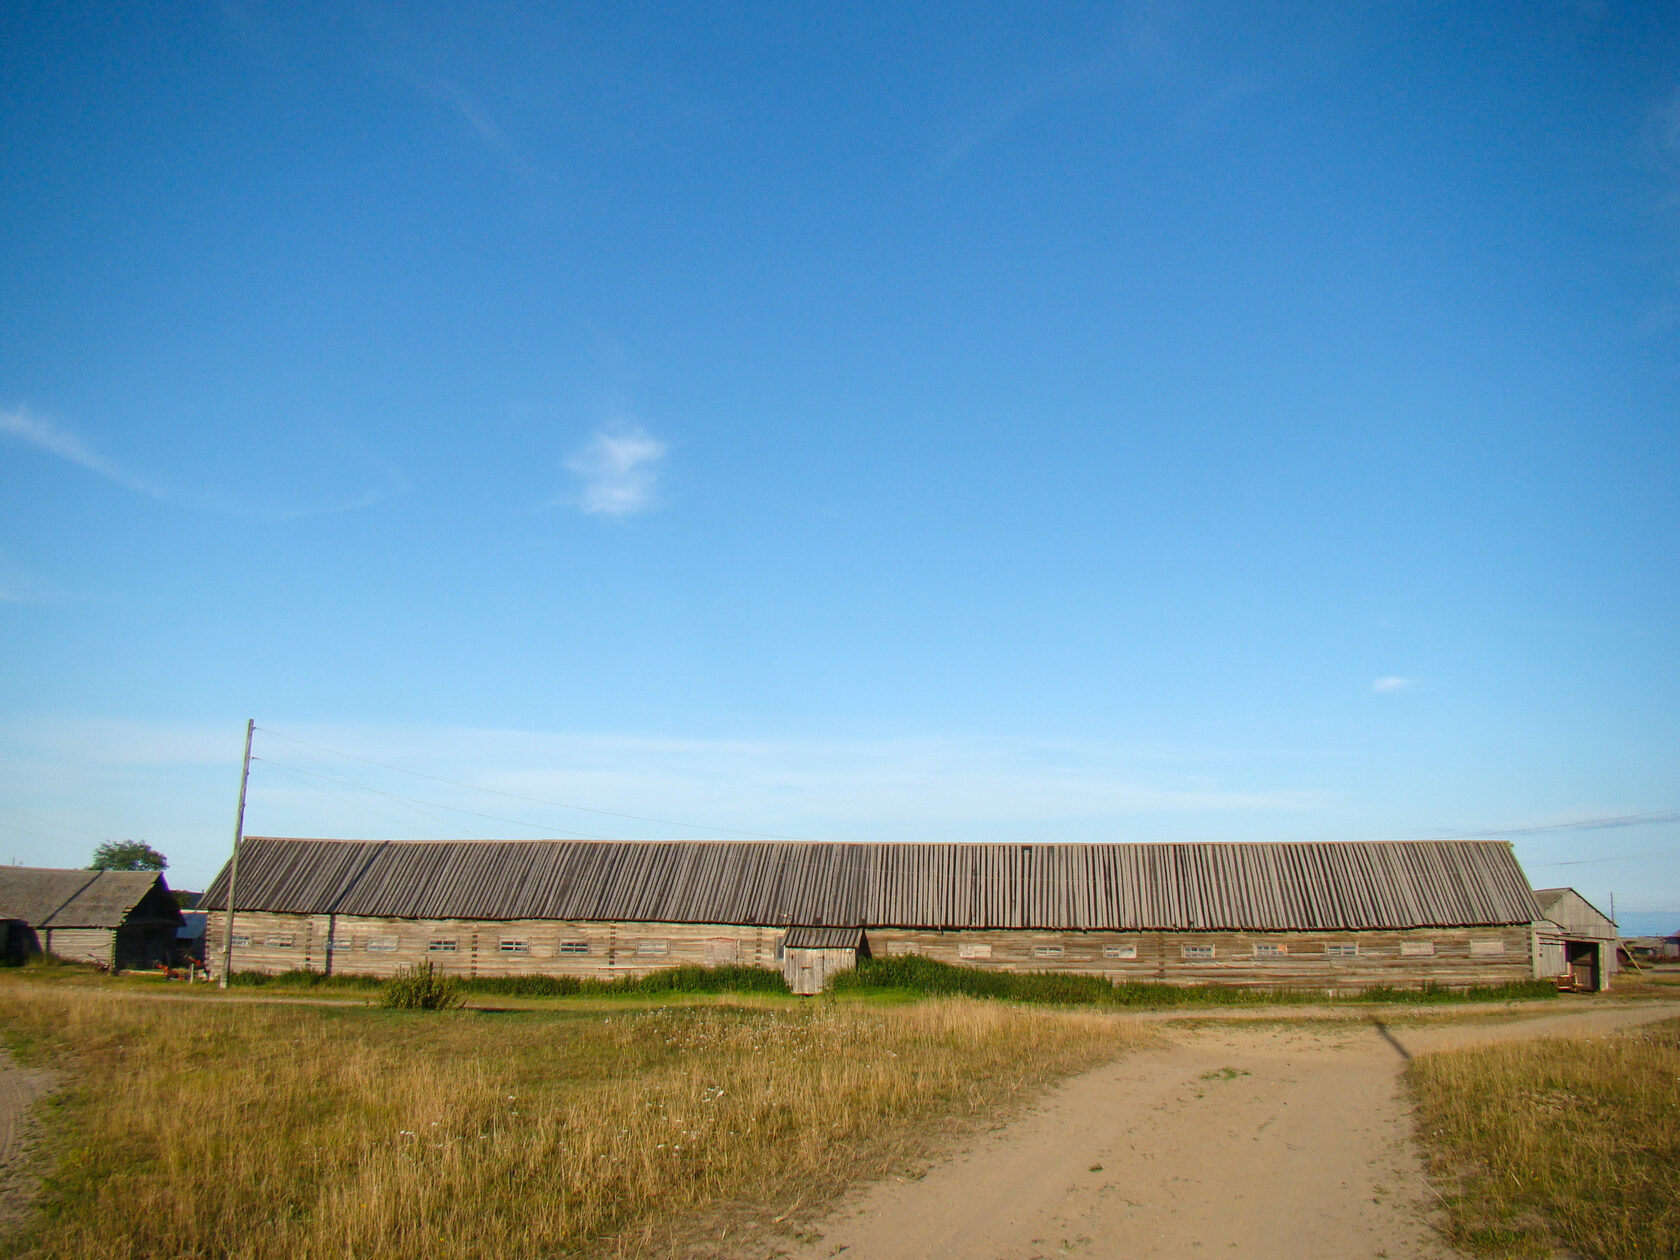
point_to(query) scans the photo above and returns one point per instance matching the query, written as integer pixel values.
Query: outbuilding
(1324, 916)
(114, 919)
(1577, 942)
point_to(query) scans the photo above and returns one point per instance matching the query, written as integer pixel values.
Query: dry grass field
(1558, 1143)
(233, 1128)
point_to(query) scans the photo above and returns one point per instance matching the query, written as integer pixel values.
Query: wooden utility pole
(233, 866)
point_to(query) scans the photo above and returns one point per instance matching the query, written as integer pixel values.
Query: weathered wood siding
(361, 945)
(366, 945)
(1450, 957)
(89, 945)
(1572, 922)
(807, 971)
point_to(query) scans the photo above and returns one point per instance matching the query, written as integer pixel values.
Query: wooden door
(804, 970)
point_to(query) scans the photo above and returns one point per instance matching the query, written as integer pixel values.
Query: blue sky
(1141, 422)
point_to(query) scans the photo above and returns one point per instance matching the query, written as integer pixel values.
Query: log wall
(1452, 957)
(359, 945)
(89, 945)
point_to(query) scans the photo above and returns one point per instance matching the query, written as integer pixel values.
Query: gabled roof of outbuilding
(44, 897)
(1569, 909)
(1125, 887)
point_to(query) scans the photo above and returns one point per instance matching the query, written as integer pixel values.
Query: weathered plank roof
(823, 938)
(1136, 887)
(43, 897)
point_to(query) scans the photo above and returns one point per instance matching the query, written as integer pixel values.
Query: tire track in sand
(20, 1089)
(1275, 1142)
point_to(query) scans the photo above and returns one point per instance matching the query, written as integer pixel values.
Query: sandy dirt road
(1263, 1141)
(20, 1088)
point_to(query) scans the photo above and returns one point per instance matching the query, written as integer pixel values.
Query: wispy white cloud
(1391, 682)
(617, 471)
(385, 482)
(23, 425)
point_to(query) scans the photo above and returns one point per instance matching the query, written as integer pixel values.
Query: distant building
(1653, 949)
(115, 919)
(190, 935)
(1324, 916)
(1577, 941)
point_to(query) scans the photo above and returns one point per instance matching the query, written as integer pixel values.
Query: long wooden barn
(1322, 915)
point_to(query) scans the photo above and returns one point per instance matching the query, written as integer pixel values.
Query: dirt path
(1259, 1141)
(19, 1090)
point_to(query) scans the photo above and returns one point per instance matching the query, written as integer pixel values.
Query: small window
(1047, 951)
(1417, 949)
(239, 942)
(575, 946)
(653, 945)
(341, 943)
(903, 947)
(1270, 949)
(510, 946)
(973, 950)
(382, 945)
(1486, 949)
(1341, 950)
(1119, 951)
(279, 940)
(1195, 951)
(441, 945)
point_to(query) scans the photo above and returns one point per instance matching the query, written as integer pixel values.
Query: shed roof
(44, 897)
(1139, 887)
(823, 938)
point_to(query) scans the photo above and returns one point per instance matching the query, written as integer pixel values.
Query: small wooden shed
(114, 919)
(810, 955)
(1576, 942)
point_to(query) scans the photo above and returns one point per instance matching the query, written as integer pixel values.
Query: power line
(92, 835)
(1578, 824)
(39, 835)
(534, 800)
(418, 806)
(411, 800)
(1622, 857)
(299, 774)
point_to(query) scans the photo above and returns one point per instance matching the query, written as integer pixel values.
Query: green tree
(127, 855)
